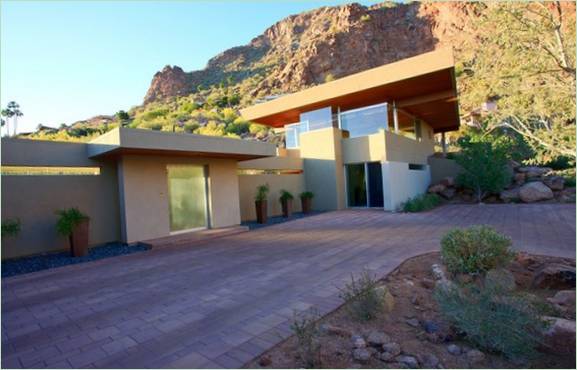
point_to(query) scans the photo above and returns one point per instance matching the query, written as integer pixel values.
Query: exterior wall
(322, 153)
(400, 183)
(144, 190)
(403, 149)
(33, 199)
(364, 148)
(295, 183)
(443, 167)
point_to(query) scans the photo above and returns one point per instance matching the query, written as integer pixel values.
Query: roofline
(386, 74)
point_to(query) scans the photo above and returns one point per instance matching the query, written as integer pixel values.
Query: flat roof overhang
(125, 141)
(423, 86)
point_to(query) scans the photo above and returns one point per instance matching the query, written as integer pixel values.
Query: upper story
(388, 113)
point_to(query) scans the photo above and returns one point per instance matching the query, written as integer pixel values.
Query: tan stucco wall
(33, 199)
(443, 167)
(323, 166)
(403, 149)
(144, 189)
(362, 149)
(400, 183)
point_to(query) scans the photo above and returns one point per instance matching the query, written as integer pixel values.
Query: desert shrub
(68, 219)
(420, 203)
(476, 249)
(306, 330)
(10, 227)
(261, 192)
(492, 319)
(484, 165)
(364, 302)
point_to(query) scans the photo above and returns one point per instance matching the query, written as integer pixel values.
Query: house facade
(359, 141)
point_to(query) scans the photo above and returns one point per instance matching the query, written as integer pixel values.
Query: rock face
(305, 49)
(554, 276)
(535, 191)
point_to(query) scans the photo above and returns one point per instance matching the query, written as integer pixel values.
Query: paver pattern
(224, 302)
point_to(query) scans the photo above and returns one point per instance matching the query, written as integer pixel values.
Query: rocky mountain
(329, 42)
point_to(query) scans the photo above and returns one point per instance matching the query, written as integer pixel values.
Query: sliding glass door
(364, 184)
(187, 197)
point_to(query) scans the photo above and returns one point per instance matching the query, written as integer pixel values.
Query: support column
(444, 143)
(395, 118)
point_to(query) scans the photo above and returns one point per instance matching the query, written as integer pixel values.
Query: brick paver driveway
(221, 303)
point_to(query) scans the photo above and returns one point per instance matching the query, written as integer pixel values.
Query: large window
(317, 119)
(292, 133)
(365, 121)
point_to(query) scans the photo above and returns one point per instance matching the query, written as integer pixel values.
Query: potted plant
(260, 201)
(306, 201)
(10, 227)
(286, 200)
(75, 225)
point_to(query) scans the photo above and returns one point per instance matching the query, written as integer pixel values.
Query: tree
(484, 165)
(7, 112)
(524, 60)
(15, 109)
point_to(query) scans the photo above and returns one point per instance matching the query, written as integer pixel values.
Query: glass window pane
(365, 121)
(187, 197)
(317, 119)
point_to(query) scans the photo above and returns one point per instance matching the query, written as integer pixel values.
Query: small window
(49, 171)
(416, 167)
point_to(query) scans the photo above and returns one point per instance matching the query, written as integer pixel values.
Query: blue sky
(70, 60)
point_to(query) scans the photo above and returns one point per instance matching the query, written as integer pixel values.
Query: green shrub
(420, 203)
(10, 227)
(474, 250)
(307, 195)
(492, 319)
(285, 195)
(364, 302)
(306, 330)
(68, 219)
(484, 165)
(261, 192)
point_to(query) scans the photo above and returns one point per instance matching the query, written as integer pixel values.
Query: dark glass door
(375, 184)
(356, 185)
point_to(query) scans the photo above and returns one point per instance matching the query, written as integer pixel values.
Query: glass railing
(292, 133)
(365, 121)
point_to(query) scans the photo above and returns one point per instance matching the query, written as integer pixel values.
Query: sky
(64, 61)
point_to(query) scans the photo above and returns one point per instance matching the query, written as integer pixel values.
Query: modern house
(365, 139)
(359, 141)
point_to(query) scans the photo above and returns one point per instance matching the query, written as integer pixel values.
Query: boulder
(448, 181)
(564, 298)
(409, 361)
(526, 260)
(535, 191)
(509, 195)
(554, 276)
(361, 355)
(560, 336)
(448, 193)
(429, 361)
(454, 349)
(390, 351)
(554, 182)
(534, 171)
(500, 279)
(475, 356)
(437, 188)
(358, 341)
(519, 178)
(377, 338)
(415, 323)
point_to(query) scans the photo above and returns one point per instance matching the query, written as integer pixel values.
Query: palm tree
(15, 108)
(8, 114)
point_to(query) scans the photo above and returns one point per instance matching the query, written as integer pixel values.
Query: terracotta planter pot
(79, 240)
(306, 204)
(261, 210)
(287, 207)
